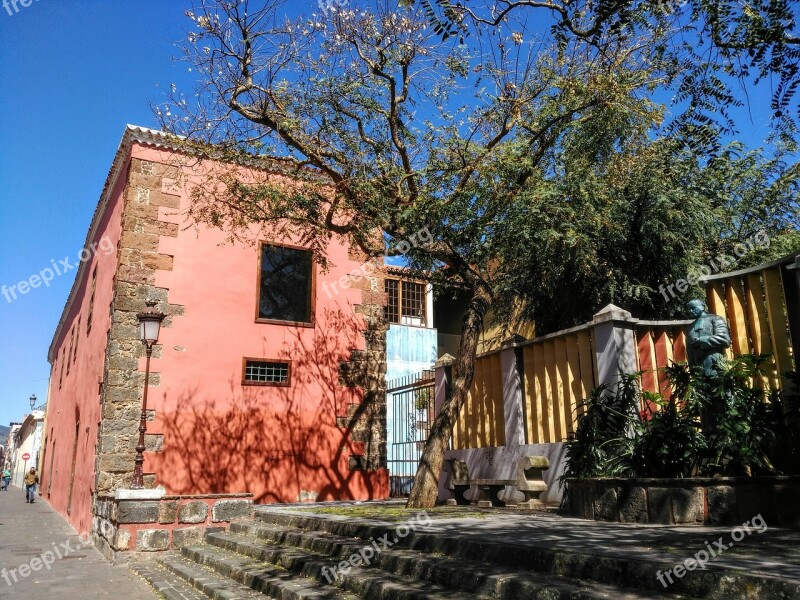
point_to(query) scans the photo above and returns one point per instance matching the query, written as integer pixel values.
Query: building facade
(27, 442)
(258, 383)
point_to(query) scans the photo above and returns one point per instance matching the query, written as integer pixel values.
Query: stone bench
(529, 481)
(489, 491)
(457, 481)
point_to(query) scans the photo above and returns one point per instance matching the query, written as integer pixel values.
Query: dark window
(71, 343)
(392, 310)
(91, 302)
(285, 288)
(259, 371)
(77, 337)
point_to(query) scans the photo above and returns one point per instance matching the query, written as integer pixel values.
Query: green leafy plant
(602, 443)
(670, 444)
(742, 425)
(726, 425)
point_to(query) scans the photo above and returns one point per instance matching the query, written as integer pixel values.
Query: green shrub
(725, 425)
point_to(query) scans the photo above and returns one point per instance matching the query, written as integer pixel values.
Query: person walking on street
(6, 477)
(31, 479)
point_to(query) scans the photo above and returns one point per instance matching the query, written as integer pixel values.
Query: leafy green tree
(633, 222)
(388, 130)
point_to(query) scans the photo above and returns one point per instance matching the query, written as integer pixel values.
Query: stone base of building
(126, 525)
(691, 501)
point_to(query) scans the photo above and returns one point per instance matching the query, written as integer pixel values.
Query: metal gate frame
(413, 412)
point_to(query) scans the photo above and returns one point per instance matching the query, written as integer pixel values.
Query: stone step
(613, 566)
(234, 555)
(258, 577)
(470, 576)
(175, 578)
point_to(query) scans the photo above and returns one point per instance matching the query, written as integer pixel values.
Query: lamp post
(149, 326)
(32, 400)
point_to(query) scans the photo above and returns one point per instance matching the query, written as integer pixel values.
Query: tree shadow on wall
(275, 442)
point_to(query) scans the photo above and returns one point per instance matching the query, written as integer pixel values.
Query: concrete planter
(691, 501)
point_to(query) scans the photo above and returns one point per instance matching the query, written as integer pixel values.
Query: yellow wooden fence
(754, 303)
(559, 373)
(481, 422)
(560, 370)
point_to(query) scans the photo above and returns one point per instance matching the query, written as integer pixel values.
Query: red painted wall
(77, 398)
(221, 436)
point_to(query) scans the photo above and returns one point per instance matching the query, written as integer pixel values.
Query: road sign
(26, 456)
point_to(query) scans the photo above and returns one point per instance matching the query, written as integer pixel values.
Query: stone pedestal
(148, 520)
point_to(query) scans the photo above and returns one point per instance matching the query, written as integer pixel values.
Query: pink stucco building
(259, 383)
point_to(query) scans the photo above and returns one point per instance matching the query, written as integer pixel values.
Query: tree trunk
(426, 488)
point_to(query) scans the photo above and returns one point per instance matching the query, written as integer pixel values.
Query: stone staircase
(289, 555)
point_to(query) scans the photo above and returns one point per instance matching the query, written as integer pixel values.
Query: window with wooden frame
(406, 302)
(392, 308)
(91, 301)
(285, 285)
(266, 371)
(61, 377)
(69, 352)
(77, 337)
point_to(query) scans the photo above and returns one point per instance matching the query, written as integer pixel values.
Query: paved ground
(29, 532)
(33, 533)
(766, 550)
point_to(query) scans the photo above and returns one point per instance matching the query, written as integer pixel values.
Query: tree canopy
(717, 48)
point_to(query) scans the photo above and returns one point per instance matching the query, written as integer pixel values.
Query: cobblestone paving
(28, 532)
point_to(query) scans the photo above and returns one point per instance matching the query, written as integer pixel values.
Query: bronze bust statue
(706, 339)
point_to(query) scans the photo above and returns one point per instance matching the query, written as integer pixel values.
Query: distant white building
(27, 439)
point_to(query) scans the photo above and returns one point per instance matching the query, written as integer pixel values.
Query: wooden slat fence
(659, 343)
(756, 304)
(481, 421)
(559, 373)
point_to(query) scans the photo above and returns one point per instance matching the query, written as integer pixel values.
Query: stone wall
(367, 369)
(138, 260)
(123, 527)
(696, 501)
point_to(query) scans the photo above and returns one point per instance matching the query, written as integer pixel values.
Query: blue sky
(72, 74)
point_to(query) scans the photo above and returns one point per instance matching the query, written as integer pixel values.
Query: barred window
(406, 302)
(77, 338)
(414, 300)
(71, 345)
(91, 302)
(259, 371)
